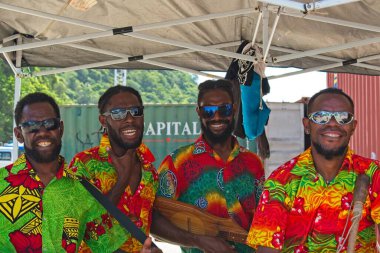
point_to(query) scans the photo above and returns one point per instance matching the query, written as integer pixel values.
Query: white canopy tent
(191, 36)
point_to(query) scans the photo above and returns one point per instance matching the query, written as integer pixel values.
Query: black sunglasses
(209, 111)
(323, 117)
(33, 126)
(121, 113)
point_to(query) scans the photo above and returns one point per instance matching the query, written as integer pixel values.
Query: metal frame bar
(125, 58)
(311, 6)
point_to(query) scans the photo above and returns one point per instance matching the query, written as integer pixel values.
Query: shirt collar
(143, 152)
(201, 146)
(305, 163)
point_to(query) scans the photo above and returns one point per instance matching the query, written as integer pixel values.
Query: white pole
(17, 96)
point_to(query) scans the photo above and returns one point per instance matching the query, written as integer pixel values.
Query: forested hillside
(86, 86)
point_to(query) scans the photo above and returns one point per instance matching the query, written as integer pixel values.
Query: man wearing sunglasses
(307, 203)
(121, 166)
(214, 173)
(40, 208)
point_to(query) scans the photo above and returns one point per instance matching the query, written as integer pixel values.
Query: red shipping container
(365, 92)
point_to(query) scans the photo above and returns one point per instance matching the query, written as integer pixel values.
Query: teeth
(128, 132)
(332, 135)
(44, 143)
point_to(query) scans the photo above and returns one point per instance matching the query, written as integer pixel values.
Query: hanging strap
(116, 213)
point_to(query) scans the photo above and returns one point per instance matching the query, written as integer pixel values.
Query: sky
(289, 89)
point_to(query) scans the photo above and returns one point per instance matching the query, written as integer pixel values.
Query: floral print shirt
(299, 212)
(95, 164)
(197, 175)
(51, 218)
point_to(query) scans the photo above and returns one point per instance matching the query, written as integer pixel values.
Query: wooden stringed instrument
(196, 221)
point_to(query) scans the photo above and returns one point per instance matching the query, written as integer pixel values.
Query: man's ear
(18, 133)
(103, 121)
(198, 111)
(61, 128)
(306, 125)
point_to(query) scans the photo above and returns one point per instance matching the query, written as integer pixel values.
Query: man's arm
(147, 247)
(164, 230)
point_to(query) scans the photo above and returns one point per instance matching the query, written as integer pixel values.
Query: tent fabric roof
(294, 31)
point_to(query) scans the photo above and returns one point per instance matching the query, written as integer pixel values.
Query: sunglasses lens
(136, 111)
(118, 114)
(225, 110)
(343, 117)
(321, 117)
(208, 111)
(51, 124)
(121, 113)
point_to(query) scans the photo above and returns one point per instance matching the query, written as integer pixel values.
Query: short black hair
(33, 98)
(221, 84)
(329, 91)
(110, 92)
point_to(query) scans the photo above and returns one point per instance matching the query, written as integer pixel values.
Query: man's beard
(118, 141)
(43, 157)
(218, 138)
(329, 154)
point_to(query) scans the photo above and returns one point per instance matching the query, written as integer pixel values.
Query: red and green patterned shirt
(36, 218)
(299, 212)
(95, 164)
(196, 174)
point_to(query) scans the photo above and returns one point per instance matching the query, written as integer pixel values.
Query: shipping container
(168, 127)
(365, 92)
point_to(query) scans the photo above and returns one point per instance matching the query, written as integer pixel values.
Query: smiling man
(215, 173)
(40, 208)
(306, 205)
(121, 166)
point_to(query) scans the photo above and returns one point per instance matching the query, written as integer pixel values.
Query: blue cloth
(254, 118)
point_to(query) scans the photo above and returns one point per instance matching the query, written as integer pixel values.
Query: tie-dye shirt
(56, 217)
(299, 212)
(95, 164)
(197, 175)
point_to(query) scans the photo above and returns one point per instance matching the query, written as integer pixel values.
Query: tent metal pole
(308, 6)
(9, 61)
(125, 58)
(17, 95)
(329, 66)
(326, 4)
(265, 28)
(191, 46)
(327, 58)
(326, 49)
(135, 28)
(257, 27)
(333, 21)
(272, 33)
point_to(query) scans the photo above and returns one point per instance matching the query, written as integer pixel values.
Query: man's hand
(147, 247)
(211, 244)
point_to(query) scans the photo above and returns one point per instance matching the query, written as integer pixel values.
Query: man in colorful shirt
(214, 173)
(306, 205)
(121, 166)
(40, 208)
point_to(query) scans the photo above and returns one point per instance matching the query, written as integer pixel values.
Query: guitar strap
(116, 213)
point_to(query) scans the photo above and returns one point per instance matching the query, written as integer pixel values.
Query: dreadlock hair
(33, 98)
(209, 85)
(110, 92)
(328, 91)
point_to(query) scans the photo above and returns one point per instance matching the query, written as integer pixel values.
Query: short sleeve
(374, 194)
(168, 182)
(269, 222)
